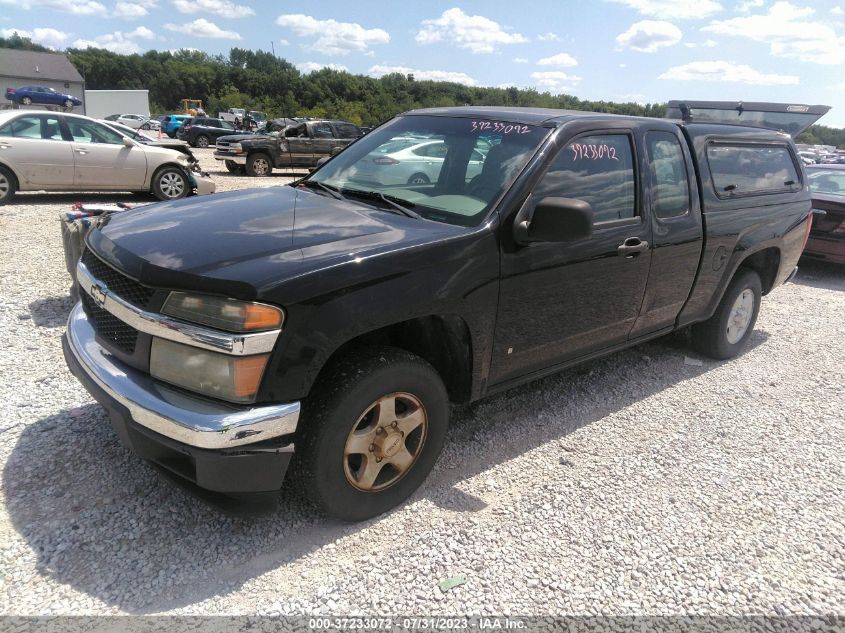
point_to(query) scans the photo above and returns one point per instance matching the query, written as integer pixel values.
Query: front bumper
(204, 184)
(227, 449)
(240, 159)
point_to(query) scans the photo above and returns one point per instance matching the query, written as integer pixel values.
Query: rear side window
(751, 169)
(598, 169)
(669, 185)
(346, 130)
(322, 130)
(42, 127)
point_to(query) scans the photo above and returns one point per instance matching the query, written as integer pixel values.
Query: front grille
(109, 327)
(118, 283)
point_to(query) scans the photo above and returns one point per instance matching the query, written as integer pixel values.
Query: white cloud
(116, 42)
(310, 67)
(649, 36)
(723, 71)
(132, 10)
(423, 75)
(788, 34)
(673, 9)
(284, 43)
(563, 60)
(748, 5)
(76, 7)
(52, 38)
(837, 11)
(472, 32)
(333, 37)
(548, 37)
(554, 80)
(223, 8)
(143, 32)
(203, 28)
(520, 60)
(704, 44)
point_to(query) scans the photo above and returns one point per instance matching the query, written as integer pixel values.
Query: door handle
(632, 247)
(81, 151)
(5, 146)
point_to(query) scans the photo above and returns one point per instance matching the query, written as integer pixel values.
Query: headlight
(236, 147)
(232, 378)
(224, 314)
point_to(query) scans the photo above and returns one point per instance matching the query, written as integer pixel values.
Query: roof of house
(32, 66)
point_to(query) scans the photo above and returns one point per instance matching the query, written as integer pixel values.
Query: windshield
(829, 181)
(446, 169)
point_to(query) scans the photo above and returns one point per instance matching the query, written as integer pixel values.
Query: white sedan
(47, 151)
(410, 161)
(132, 120)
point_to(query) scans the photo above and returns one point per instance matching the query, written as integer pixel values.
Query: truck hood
(235, 138)
(242, 243)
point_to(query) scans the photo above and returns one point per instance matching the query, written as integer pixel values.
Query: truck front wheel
(373, 431)
(258, 165)
(724, 334)
(233, 167)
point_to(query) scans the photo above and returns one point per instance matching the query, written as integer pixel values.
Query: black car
(202, 131)
(827, 235)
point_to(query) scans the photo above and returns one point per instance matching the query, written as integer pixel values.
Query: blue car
(173, 122)
(27, 95)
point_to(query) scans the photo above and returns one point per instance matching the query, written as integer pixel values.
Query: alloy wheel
(385, 442)
(740, 316)
(172, 184)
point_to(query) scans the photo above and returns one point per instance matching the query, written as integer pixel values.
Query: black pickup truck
(284, 143)
(341, 315)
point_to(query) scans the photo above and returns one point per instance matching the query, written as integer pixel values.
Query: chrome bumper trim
(191, 420)
(171, 329)
(240, 159)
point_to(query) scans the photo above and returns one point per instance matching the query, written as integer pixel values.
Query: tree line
(258, 80)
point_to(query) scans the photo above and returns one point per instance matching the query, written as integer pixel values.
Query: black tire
(259, 164)
(8, 185)
(201, 141)
(166, 184)
(26, 101)
(346, 392)
(233, 167)
(712, 337)
(419, 179)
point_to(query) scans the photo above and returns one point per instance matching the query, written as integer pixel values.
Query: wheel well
(765, 263)
(14, 175)
(443, 341)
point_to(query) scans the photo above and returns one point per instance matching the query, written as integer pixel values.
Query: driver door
(102, 161)
(563, 300)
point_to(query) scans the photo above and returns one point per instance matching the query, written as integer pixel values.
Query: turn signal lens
(224, 314)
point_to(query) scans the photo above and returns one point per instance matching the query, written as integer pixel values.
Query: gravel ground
(637, 484)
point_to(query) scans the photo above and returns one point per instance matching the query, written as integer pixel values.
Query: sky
(647, 51)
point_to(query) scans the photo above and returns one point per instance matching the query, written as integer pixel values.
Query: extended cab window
(598, 169)
(322, 130)
(669, 185)
(751, 169)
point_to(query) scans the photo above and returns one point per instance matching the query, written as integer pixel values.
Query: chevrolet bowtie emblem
(98, 294)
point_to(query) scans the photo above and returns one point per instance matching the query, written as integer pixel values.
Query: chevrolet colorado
(340, 315)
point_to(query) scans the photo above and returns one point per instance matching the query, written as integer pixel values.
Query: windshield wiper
(333, 191)
(390, 200)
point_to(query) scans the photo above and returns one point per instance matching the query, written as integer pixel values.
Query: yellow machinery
(190, 106)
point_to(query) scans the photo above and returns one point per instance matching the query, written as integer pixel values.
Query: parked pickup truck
(284, 143)
(339, 317)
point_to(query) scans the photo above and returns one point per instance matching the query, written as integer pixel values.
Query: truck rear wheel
(258, 165)
(373, 431)
(724, 334)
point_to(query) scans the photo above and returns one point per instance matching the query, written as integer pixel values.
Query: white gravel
(638, 484)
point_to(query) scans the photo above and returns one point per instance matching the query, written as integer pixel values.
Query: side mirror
(128, 142)
(553, 220)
